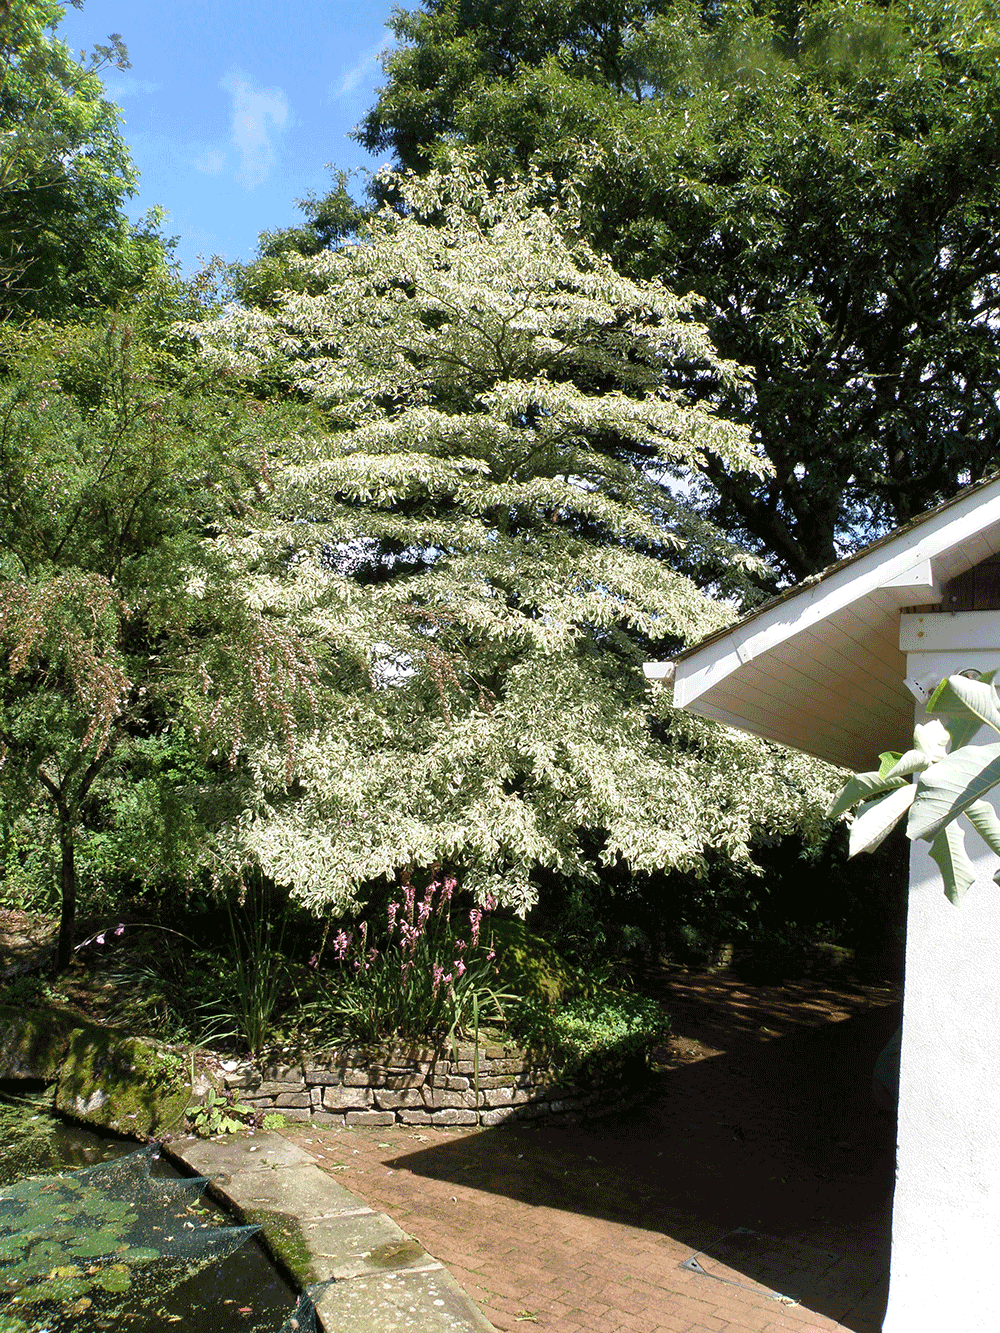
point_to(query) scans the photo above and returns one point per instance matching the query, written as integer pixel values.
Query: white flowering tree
(484, 542)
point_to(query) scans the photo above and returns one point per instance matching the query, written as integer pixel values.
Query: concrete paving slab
(304, 1191)
(364, 1243)
(232, 1153)
(400, 1303)
(377, 1277)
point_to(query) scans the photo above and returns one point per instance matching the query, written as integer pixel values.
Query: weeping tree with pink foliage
(123, 636)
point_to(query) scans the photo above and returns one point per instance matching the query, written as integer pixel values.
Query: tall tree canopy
(826, 175)
(65, 173)
(486, 541)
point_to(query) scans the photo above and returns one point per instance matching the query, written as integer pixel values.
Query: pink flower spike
(459, 967)
(491, 955)
(460, 946)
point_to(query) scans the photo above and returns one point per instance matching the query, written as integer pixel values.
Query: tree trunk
(67, 879)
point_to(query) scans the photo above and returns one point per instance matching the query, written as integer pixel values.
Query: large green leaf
(913, 761)
(863, 787)
(983, 819)
(948, 850)
(879, 817)
(969, 703)
(930, 742)
(947, 789)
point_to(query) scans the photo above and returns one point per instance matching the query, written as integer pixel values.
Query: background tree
(132, 656)
(66, 246)
(491, 535)
(825, 175)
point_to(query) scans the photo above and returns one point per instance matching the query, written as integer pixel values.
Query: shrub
(606, 1034)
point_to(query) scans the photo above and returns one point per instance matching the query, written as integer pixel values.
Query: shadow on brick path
(777, 1138)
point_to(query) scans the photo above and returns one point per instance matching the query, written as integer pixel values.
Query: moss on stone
(33, 1042)
(283, 1236)
(529, 965)
(121, 1083)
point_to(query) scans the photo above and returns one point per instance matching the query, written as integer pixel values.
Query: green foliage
(825, 176)
(486, 542)
(529, 965)
(26, 991)
(254, 985)
(66, 246)
(608, 1034)
(221, 1115)
(129, 651)
(330, 219)
(952, 778)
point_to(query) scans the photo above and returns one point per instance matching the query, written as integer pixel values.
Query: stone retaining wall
(414, 1087)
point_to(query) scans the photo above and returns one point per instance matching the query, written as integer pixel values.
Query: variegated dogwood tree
(937, 782)
(483, 543)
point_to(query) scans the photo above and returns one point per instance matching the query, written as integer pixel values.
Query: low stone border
(140, 1088)
(414, 1086)
(364, 1274)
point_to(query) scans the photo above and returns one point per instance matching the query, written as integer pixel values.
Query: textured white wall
(945, 1267)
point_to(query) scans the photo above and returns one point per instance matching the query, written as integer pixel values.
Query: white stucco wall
(945, 1266)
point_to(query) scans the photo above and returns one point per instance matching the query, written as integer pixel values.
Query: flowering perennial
(426, 979)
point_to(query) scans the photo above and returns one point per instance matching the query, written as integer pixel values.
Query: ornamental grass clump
(429, 972)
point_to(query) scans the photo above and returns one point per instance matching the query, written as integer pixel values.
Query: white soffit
(820, 668)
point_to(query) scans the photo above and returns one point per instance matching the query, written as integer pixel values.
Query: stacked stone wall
(415, 1086)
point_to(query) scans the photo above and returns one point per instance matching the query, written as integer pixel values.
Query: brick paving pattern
(767, 1161)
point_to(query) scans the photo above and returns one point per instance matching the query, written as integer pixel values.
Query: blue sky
(232, 110)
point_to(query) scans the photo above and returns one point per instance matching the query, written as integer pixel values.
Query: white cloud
(257, 115)
(210, 162)
(362, 70)
(118, 87)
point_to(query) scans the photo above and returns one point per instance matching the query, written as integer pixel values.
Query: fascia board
(882, 568)
(943, 631)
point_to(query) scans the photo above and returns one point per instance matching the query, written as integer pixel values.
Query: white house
(841, 667)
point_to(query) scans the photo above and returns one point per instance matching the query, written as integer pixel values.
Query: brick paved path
(585, 1227)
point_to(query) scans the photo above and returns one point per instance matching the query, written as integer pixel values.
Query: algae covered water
(95, 1235)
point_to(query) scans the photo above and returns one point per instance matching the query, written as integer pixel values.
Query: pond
(239, 1291)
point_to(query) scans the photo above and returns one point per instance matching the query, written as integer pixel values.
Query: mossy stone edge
(102, 1077)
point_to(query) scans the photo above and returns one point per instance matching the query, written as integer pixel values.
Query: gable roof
(819, 667)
